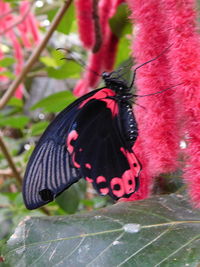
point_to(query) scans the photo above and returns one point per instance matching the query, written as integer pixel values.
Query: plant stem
(11, 163)
(97, 28)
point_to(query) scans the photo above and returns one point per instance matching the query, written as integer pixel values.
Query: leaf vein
(173, 253)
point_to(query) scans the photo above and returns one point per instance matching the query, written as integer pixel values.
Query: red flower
(85, 22)
(158, 131)
(184, 57)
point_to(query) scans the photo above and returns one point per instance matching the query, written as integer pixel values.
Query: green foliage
(119, 23)
(6, 61)
(55, 102)
(123, 51)
(8, 74)
(12, 211)
(68, 70)
(18, 122)
(156, 232)
(15, 102)
(70, 200)
(67, 21)
(38, 128)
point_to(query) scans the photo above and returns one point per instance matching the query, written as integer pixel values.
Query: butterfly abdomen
(128, 123)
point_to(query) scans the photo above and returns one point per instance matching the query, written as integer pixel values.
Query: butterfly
(92, 138)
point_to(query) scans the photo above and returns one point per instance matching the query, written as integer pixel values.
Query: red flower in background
(184, 58)
(20, 31)
(84, 12)
(175, 113)
(158, 130)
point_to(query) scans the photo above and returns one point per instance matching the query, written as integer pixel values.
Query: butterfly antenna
(77, 60)
(159, 92)
(135, 70)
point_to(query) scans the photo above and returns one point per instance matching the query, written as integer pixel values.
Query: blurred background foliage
(47, 90)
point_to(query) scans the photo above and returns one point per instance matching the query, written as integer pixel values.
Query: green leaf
(56, 60)
(58, 55)
(55, 102)
(18, 122)
(15, 102)
(119, 23)
(68, 70)
(49, 62)
(66, 22)
(8, 74)
(7, 61)
(161, 231)
(123, 51)
(39, 127)
(69, 200)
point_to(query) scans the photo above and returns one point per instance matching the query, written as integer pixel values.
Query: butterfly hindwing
(50, 169)
(99, 149)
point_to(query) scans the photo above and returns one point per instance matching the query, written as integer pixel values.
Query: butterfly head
(115, 82)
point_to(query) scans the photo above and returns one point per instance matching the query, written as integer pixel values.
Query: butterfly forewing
(50, 169)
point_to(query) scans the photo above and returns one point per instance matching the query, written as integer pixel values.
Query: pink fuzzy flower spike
(158, 133)
(185, 58)
(85, 22)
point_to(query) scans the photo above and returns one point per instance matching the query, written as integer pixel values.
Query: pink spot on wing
(73, 135)
(80, 149)
(100, 179)
(117, 182)
(112, 105)
(103, 96)
(104, 191)
(74, 162)
(129, 181)
(133, 162)
(88, 165)
(88, 179)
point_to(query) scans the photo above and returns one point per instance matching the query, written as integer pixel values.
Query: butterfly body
(92, 138)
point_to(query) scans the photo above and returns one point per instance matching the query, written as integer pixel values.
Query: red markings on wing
(129, 181)
(125, 185)
(103, 96)
(117, 187)
(101, 181)
(88, 179)
(104, 191)
(74, 161)
(73, 135)
(88, 165)
(133, 162)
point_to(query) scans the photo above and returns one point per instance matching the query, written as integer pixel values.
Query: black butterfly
(91, 138)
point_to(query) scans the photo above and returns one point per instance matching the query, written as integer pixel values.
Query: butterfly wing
(99, 149)
(50, 170)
